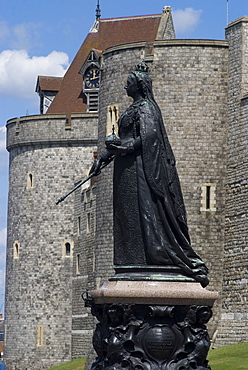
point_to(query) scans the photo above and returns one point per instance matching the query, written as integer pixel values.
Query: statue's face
(131, 86)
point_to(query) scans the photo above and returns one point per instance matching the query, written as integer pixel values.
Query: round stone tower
(47, 155)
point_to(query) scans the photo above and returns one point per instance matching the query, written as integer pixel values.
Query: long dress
(150, 225)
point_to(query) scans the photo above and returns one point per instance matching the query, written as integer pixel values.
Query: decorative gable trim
(93, 60)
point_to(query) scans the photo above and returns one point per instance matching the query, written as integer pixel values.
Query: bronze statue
(150, 225)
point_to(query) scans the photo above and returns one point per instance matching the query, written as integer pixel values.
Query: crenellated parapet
(52, 129)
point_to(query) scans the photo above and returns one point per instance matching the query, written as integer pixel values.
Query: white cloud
(19, 71)
(4, 30)
(21, 36)
(24, 36)
(186, 20)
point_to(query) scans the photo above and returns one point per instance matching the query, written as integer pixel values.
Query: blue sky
(42, 37)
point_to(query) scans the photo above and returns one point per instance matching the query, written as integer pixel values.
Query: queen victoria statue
(150, 227)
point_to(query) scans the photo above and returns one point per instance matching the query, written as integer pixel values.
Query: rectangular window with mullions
(40, 336)
(112, 119)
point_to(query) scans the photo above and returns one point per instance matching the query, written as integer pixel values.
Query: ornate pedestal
(151, 325)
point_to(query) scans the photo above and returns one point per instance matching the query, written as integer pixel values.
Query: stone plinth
(148, 325)
(153, 292)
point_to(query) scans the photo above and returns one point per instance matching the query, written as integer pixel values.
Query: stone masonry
(234, 318)
(83, 269)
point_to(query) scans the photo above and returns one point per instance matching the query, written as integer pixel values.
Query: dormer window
(91, 80)
(47, 88)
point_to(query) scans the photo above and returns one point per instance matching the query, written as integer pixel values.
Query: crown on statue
(142, 67)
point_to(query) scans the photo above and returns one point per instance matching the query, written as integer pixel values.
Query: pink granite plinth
(153, 292)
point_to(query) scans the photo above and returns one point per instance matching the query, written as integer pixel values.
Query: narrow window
(110, 113)
(208, 195)
(79, 225)
(88, 223)
(16, 249)
(208, 188)
(77, 264)
(30, 181)
(40, 335)
(116, 114)
(67, 249)
(30, 177)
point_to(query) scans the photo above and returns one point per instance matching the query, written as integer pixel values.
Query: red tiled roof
(111, 32)
(47, 83)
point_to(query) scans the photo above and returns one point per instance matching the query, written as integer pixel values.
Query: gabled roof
(47, 83)
(91, 60)
(106, 33)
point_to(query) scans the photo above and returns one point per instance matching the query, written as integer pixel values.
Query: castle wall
(190, 86)
(192, 93)
(235, 286)
(47, 155)
(83, 278)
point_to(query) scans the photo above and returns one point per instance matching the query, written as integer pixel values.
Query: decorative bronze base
(149, 337)
(151, 325)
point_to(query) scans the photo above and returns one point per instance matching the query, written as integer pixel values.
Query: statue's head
(141, 78)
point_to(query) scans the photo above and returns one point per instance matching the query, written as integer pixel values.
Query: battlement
(52, 129)
(243, 19)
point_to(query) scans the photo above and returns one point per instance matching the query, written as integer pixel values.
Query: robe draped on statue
(150, 225)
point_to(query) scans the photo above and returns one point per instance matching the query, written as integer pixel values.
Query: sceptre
(111, 139)
(81, 182)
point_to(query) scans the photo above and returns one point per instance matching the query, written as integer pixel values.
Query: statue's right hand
(95, 169)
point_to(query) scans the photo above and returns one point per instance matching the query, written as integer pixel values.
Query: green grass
(233, 357)
(72, 365)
